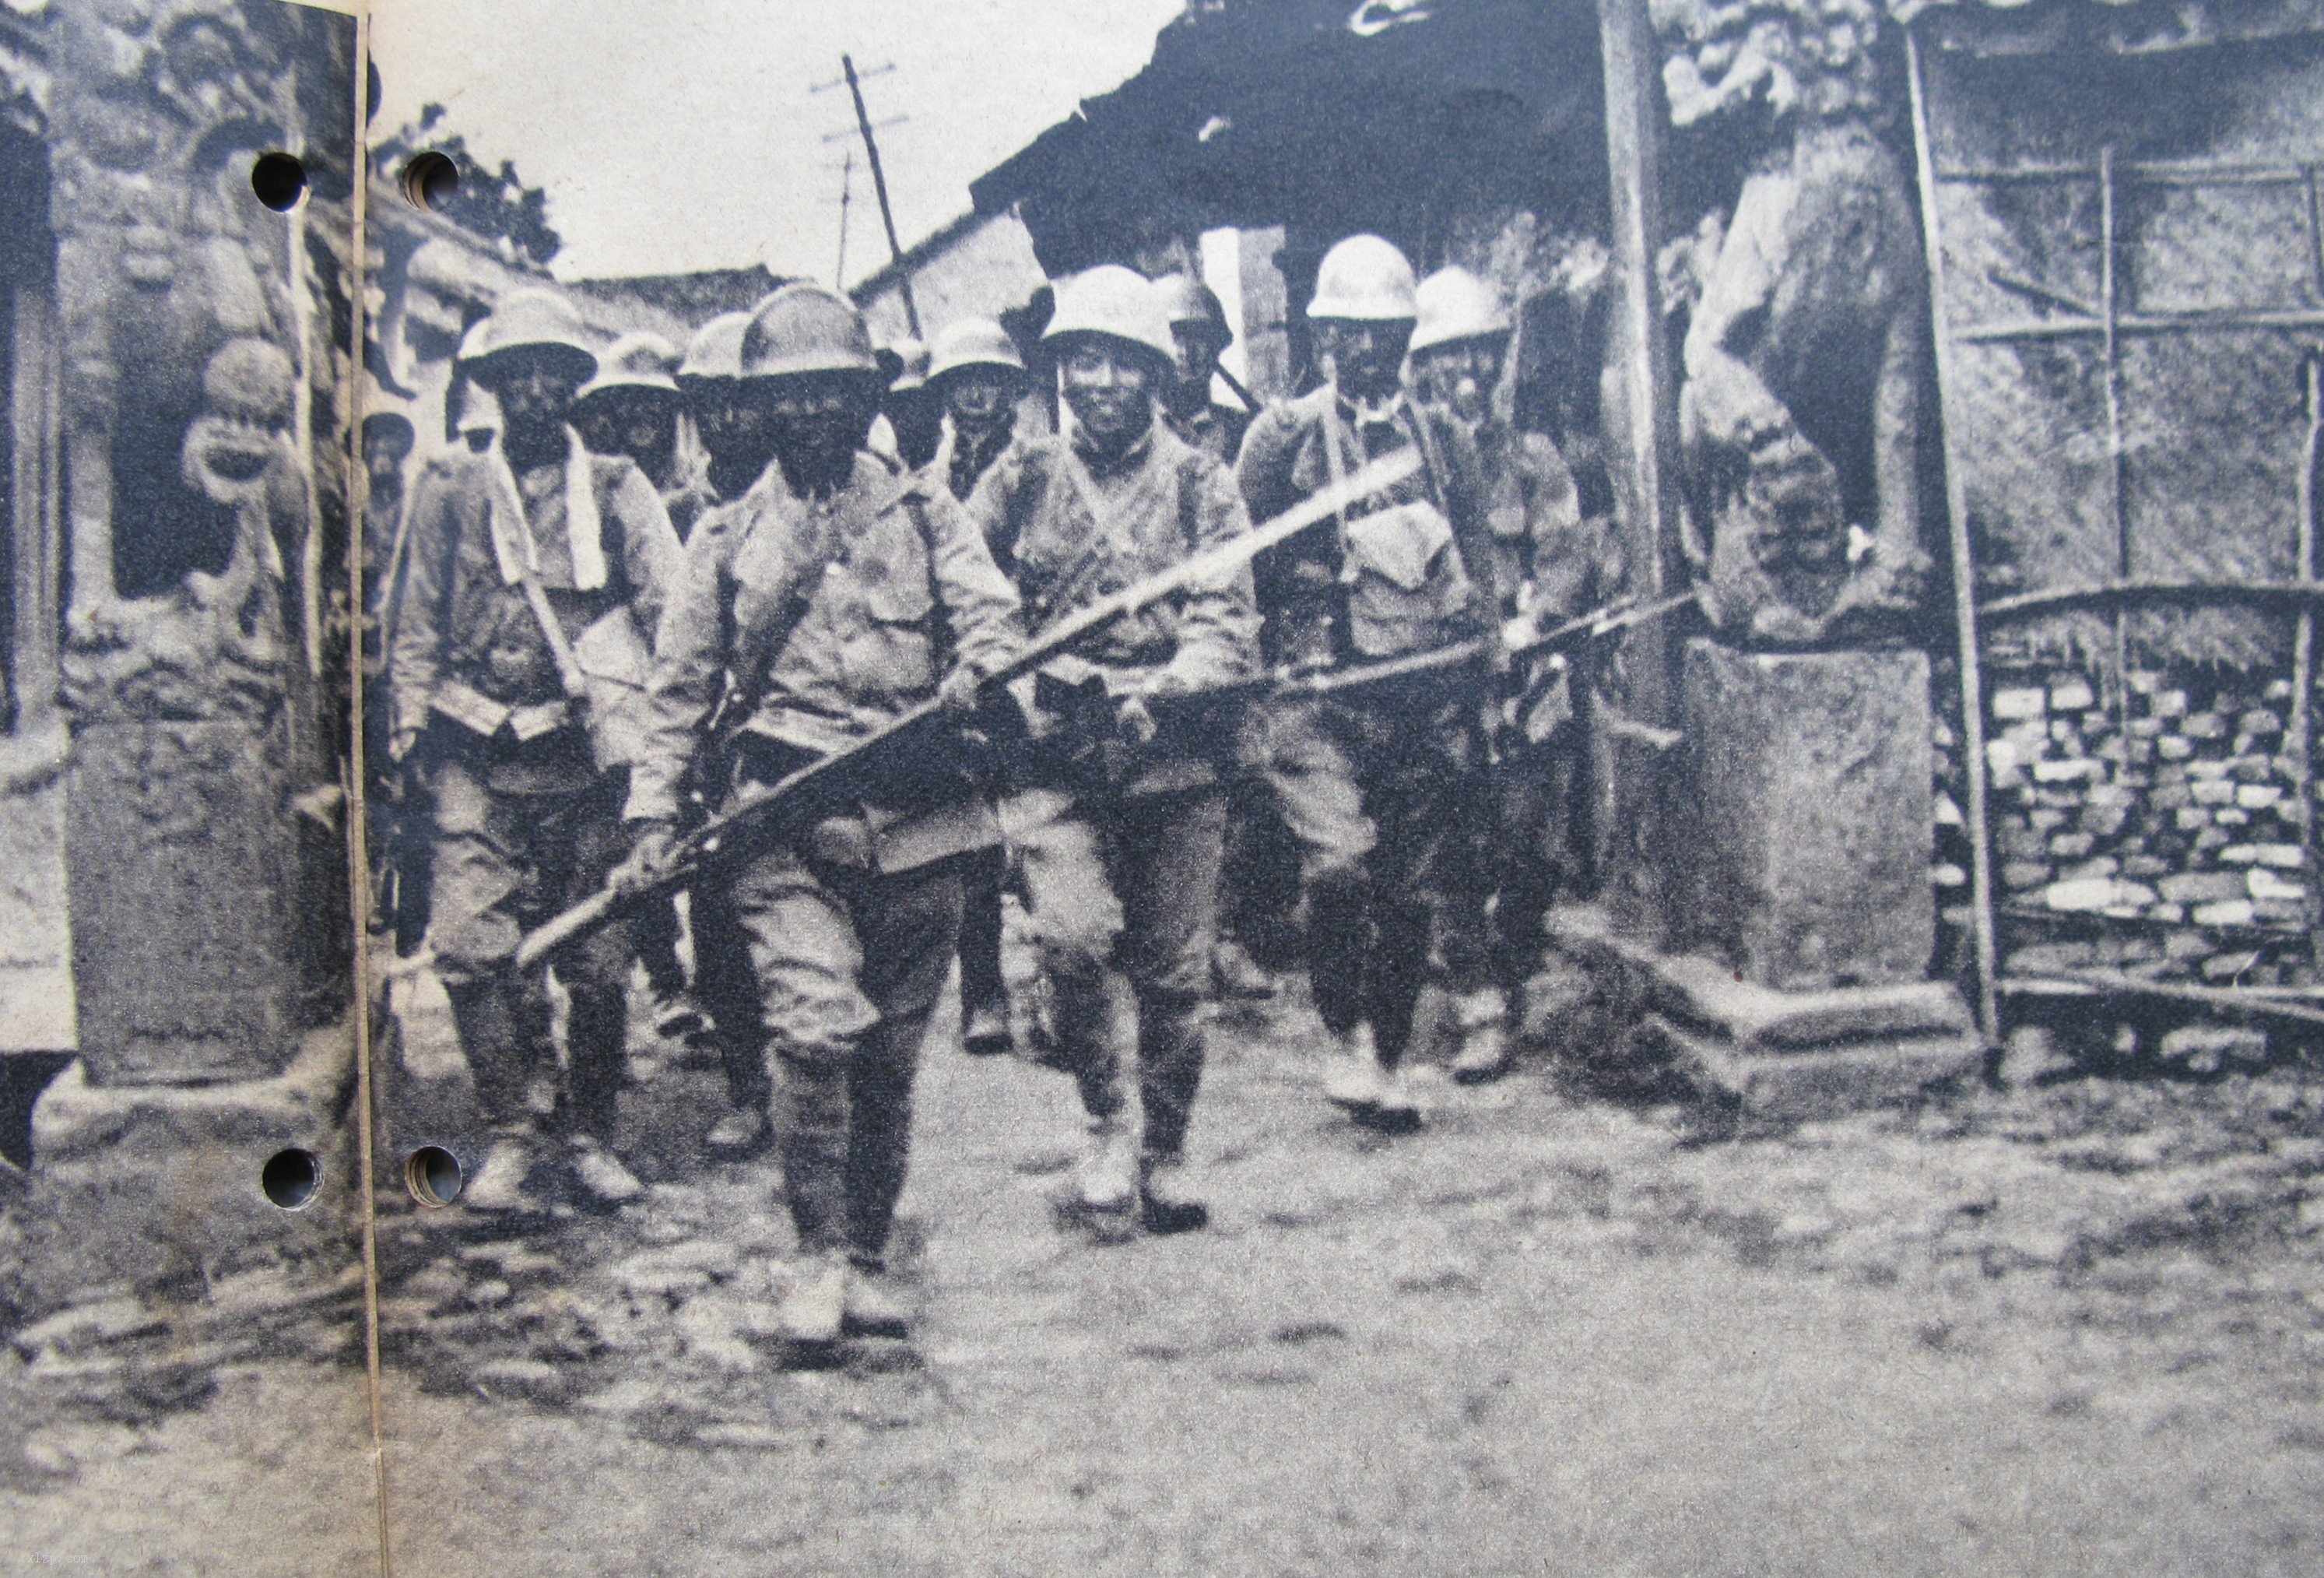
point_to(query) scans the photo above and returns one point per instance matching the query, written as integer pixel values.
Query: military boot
(814, 1309)
(1486, 1049)
(601, 1174)
(1352, 1076)
(874, 1305)
(1396, 1111)
(499, 1184)
(985, 1031)
(1163, 1204)
(1107, 1178)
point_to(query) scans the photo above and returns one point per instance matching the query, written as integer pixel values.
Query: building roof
(1322, 114)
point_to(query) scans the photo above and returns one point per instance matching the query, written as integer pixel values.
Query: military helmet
(905, 365)
(715, 351)
(1116, 302)
(974, 342)
(1364, 279)
(806, 328)
(634, 360)
(1456, 305)
(542, 321)
(1193, 305)
(390, 423)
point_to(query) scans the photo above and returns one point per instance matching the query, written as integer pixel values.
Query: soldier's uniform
(960, 462)
(832, 615)
(1543, 565)
(1547, 565)
(1215, 430)
(1375, 784)
(1120, 843)
(527, 809)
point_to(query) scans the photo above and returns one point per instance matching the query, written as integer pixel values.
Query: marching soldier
(977, 371)
(835, 595)
(388, 439)
(1263, 870)
(914, 411)
(1372, 784)
(978, 374)
(631, 409)
(1119, 821)
(1543, 567)
(738, 441)
(518, 660)
(1198, 329)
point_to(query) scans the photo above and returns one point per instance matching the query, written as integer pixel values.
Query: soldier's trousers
(503, 864)
(728, 989)
(1529, 855)
(984, 874)
(1122, 900)
(849, 964)
(1382, 800)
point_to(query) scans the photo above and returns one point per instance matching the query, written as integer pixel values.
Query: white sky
(676, 134)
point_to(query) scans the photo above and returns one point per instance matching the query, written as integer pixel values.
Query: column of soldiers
(604, 633)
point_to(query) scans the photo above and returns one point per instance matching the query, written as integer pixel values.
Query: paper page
(182, 1295)
(1705, 966)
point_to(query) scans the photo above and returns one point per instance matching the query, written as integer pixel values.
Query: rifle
(755, 808)
(1580, 631)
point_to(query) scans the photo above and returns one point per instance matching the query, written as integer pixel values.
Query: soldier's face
(384, 453)
(977, 396)
(1459, 376)
(1198, 357)
(1109, 387)
(535, 390)
(1363, 357)
(642, 423)
(818, 419)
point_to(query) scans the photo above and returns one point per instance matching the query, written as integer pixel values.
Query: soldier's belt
(484, 717)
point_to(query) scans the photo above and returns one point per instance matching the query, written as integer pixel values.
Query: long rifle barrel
(757, 805)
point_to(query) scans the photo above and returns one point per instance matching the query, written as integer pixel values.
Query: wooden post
(1964, 568)
(1639, 413)
(879, 185)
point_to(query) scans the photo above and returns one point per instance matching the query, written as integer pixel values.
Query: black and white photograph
(1161, 787)
(183, 1383)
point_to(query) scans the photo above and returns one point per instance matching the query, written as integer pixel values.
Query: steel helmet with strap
(805, 328)
(634, 360)
(540, 321)
(1364, 279)
(1115, 303)
(974, 342)
(1456, 305)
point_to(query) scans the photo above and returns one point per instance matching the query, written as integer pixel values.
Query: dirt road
(2071, 1330)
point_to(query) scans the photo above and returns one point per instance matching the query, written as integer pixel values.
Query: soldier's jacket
(686, 501)
(467, 647)
(1393, 576)
(833, 617)
(1545, 560)
(960, 464)
(1084, 529)
(1215, 430)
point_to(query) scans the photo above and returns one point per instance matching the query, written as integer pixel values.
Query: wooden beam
(1964, 569)
(1639, 408)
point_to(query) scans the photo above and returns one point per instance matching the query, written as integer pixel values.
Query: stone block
(1806, 864)
(1773, 1092)
(181, 935)
(148, 1185)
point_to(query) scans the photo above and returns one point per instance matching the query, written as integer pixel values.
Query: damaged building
(1995, 714)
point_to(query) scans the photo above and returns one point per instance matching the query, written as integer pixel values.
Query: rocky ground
(2072, 1328)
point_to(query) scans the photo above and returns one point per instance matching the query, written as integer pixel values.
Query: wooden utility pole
(1640, 425)
(879, 185)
